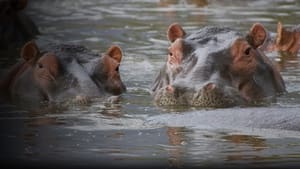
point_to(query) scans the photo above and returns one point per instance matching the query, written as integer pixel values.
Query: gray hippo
(59, 76)
(215, 67)
(103, 70)
(16, 28)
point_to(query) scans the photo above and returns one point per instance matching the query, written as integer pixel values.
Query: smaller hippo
(57, 76)
(34, 78)
(287, 40)
(103, 70)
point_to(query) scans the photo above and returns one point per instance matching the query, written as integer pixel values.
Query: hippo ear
(175, 31)
(257, 35)
(115, 52)
(29, 51)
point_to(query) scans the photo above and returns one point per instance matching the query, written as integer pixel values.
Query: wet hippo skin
(215, 67)
(286, 41)
(58, 75)
(103, 69)
(32, 79)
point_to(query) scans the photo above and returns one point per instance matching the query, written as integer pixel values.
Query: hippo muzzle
(209, 95)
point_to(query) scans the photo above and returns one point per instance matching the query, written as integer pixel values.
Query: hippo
(33, 79)
(286, 41)
(16, 28)
(215, 67)
(104, 70)
(259, 37)
(51, 76)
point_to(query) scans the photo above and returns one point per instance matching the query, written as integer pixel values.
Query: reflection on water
(176, 140)
(124, 134)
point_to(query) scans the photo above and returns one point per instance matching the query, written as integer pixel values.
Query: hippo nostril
(170, 89)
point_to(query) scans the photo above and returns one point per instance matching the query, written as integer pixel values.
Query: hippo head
(45, 73)
(105, 72)
(36, 78)
(63, 73)
(54, 76)
(214, 67)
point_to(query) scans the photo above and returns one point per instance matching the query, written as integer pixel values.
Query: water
(135, 132)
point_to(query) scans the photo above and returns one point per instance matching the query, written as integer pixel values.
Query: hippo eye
(247, 51)
(117, 68)
(40, 65)
(170, 53)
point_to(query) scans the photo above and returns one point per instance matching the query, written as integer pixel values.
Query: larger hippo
(58, 76)
(215, 67)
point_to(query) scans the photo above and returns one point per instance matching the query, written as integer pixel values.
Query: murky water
(135, 132)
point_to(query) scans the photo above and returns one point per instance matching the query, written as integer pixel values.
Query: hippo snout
(216, 95)
(167, 97)
(209, 95)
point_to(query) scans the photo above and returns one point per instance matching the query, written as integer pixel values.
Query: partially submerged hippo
(103, 70)
(34, 78)
(287, 39)
(16, 28)
(59, 76)
(215, 67)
